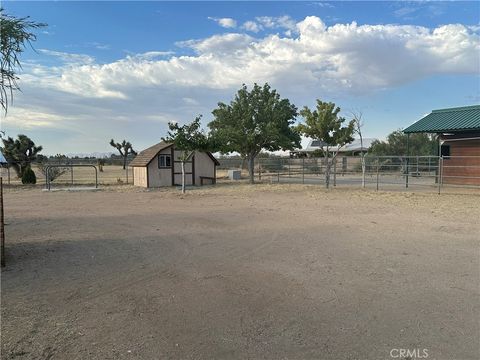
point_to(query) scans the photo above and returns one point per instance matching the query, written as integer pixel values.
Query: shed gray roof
(466, 118)
(2, 159)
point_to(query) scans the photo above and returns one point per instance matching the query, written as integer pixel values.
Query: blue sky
(124, 69)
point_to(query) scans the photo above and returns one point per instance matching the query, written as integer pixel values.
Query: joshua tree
(125, 149)
(20, 153)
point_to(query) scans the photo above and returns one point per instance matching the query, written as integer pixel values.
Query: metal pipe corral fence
(428, 173)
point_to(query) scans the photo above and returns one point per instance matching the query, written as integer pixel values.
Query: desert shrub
(29, 176)
(53, 173)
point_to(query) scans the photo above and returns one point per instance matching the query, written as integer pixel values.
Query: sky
(123, 70)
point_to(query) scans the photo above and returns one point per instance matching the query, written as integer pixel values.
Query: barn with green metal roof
(458, 131)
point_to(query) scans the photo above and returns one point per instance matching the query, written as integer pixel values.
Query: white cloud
(31, 119)
(285, 22)
(74, 59)
(323, 4)
(219, 44)
(98, 46)
(269, 22)
(346, 56)
(225, 22)
(146, 91)
(402, 12)
(252, 26)
(151, 55)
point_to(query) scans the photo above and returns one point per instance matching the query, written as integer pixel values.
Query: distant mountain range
(97, 155)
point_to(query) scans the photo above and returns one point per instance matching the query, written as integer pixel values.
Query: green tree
(326, 125)
(20, 153)
(396, 145)
(255, 120)
(188, 138)
(125, 149)
(15, 35)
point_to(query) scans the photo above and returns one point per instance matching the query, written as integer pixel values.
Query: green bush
(29, 177)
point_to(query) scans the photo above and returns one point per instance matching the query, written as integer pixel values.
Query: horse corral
(292, 271)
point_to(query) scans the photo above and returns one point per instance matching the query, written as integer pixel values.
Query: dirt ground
(240, 272)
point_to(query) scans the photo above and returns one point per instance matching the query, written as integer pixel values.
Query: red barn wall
(463, 167)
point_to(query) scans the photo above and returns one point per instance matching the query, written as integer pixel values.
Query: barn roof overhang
(452, 120)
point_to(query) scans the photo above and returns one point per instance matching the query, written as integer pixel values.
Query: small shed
(458, 131)
(159, 165)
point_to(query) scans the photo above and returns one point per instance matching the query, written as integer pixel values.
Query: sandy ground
(237, 272)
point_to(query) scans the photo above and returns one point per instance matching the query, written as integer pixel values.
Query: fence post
(378, 171)
(278, 176)
(259, 170)
(126, 167)
(71, 171)
(303, 170)
(407, 170)
(335, 172)
(408, 159)
(440, 170)
(2, 225)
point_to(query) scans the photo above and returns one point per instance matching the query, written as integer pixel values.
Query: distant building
(458, 131)
(354, 148)
(159, 166)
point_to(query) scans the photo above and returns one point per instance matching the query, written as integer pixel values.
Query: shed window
(445, 151)
(164, 161)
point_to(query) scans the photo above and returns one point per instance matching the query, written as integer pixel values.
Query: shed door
(189, 172)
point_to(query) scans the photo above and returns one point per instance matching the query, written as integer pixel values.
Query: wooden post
(2, 225)
(378, 171)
